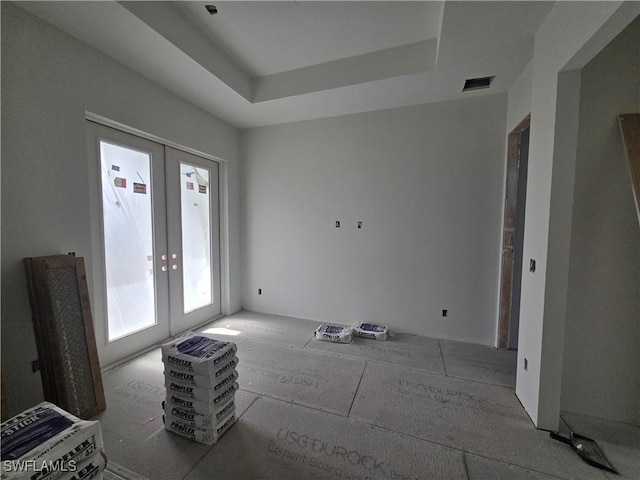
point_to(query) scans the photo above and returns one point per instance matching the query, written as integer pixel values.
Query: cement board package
(198, 420)
(371, 330)
(334, 333)
(200, 379)
(47, 443)
(198, 353)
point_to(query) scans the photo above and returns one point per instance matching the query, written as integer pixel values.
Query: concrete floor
(408, 408)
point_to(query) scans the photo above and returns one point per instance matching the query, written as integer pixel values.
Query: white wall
(49, 80)
(571, 35)
(427, 183)
(601, 359)
(519, 105)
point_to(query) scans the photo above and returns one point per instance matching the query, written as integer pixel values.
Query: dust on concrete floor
(408, 408)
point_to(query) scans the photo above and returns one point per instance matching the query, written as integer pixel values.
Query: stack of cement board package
(200, 378)
(48, 443)
(343, 334)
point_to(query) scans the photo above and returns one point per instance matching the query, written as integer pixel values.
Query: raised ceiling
(275, 37)
(263, 63)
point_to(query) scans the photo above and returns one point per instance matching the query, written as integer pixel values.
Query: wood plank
(63, 326)
(630, 129)
(90, 338)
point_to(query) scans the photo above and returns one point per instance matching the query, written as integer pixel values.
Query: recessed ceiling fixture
(211, 9)
(477, 83)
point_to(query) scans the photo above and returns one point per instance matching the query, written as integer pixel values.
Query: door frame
(94, 277)
(157, 332)
(180, 320)
(509, 231)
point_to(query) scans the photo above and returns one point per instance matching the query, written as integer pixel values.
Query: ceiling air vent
(477, 83)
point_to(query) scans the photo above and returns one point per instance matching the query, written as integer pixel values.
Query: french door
(158, 260)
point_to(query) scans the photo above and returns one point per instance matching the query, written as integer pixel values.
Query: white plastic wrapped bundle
(201, 407)
(197, 353)
(206, 381)
(44, 442)
(197, 420)
(208, 436)
(371, 330)
(334, 333)
(204, 394)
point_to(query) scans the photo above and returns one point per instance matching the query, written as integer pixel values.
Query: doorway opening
(513, 235)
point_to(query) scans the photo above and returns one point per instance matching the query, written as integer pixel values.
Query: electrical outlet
(337, 223)
(532, 265)
(526, 364)
(445, 312)
(35, 365)
(259, 291)
(359, 225)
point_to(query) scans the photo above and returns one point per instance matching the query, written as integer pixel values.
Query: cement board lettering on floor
(333, 458)
(446, 395)
(142, 392)
(292, 374)
(284, 375)
(439, 394)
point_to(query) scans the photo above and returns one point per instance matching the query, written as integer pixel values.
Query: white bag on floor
(198, 406)
(208, 436)
(203, 394)
(206, 381)
(45, 441)
(334, 333)
(198, 353)
(371, 330)
(198, 420)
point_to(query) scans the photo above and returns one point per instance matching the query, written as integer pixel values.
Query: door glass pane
(196, 237)
(128, 237)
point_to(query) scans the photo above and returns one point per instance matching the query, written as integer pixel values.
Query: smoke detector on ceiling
(477, 83)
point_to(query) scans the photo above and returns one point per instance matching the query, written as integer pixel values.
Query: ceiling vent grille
(477, 83)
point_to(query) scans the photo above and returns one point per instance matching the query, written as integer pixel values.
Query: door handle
(164, 258)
